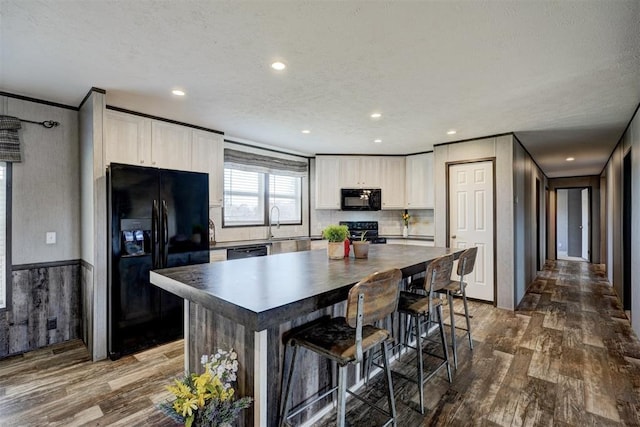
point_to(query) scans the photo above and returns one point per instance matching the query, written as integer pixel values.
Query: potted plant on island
(336, 235)
(361, 247)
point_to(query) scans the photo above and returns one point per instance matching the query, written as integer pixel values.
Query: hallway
(566, 357)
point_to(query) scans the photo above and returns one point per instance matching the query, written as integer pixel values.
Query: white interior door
(585, 223)
(471, 222)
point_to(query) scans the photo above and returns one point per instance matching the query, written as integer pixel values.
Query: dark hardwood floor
(566, 357)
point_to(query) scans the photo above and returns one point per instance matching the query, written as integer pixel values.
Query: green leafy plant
(207, 399)
(335, 233)
(364, 233)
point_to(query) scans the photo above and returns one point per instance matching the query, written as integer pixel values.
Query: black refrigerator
(157, 218)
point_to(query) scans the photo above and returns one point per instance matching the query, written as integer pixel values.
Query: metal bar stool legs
(344, 341)
(421, 308)
(466, 263)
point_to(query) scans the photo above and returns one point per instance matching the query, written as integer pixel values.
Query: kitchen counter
(257, 242)
(248, 304)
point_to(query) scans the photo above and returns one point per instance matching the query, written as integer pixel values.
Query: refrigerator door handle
(165, 234)
(154, 235)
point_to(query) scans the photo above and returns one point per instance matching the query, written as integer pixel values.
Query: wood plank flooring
(566, 357)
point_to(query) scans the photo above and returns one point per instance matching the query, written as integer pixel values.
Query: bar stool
(456, 288)
(345, 340)
(420, 308)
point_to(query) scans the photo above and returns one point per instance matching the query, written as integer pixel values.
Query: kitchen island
(248, 304)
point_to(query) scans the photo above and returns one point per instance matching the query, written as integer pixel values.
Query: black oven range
(370, 228)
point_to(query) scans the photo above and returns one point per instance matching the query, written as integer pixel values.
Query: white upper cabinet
(170, 146)
(207, 155)
(327, 182)
(137, 140)
(393, 182)
(336, 172)
(128, 139)
(360, 172)
(419, 181)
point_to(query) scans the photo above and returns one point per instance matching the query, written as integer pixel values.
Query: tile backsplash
(389, 222)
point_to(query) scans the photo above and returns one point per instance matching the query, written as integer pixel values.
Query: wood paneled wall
(41, 293)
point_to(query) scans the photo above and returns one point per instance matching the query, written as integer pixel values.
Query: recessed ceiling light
(570, 159)
(177, 92)
(278, 66)
(377, 141)
(376, 115)
(306, 131)
(451, 132)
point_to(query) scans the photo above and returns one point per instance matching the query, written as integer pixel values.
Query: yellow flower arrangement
(207, 399)
(405, 218)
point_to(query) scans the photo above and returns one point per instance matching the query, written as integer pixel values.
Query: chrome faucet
(212, 232)
(271, 220)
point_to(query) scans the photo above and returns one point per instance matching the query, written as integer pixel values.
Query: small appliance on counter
(356, 228)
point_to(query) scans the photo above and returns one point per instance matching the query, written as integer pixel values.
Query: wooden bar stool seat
(344, 340)
(420, 308)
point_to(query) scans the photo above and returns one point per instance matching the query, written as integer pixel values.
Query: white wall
(46, 184)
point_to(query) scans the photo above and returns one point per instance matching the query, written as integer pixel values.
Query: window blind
(242, 160)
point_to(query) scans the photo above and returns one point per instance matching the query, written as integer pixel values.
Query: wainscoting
(46, 307)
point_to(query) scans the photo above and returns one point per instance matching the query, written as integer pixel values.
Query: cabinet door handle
(141, 161)
(453, 237)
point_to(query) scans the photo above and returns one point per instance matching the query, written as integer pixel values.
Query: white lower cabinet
(217, 255)
(319, 244)
(411, 242)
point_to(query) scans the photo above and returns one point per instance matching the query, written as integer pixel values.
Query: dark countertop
(258, 242)
(263, 292)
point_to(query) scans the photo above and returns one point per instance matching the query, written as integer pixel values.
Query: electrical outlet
(52, 323)
(50, 238)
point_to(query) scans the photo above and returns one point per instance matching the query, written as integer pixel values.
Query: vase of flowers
(208, 399)
(405, 223)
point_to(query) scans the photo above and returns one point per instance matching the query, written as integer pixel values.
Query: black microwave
(360, 199)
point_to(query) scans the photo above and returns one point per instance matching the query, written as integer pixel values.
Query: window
(254, 184)
(243, 197)
(245, 194)
(285, 192)
(5, 170)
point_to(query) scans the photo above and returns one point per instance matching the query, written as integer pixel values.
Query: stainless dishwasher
(246, 252)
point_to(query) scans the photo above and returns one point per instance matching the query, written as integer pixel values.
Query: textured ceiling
(564, 76)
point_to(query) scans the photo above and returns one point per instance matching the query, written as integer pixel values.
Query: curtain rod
(47, 123)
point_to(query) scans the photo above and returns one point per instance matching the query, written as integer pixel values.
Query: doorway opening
(573, 206)
(626, 232)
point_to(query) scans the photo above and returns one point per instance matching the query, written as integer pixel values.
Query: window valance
(253, 162)
(9, 139)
